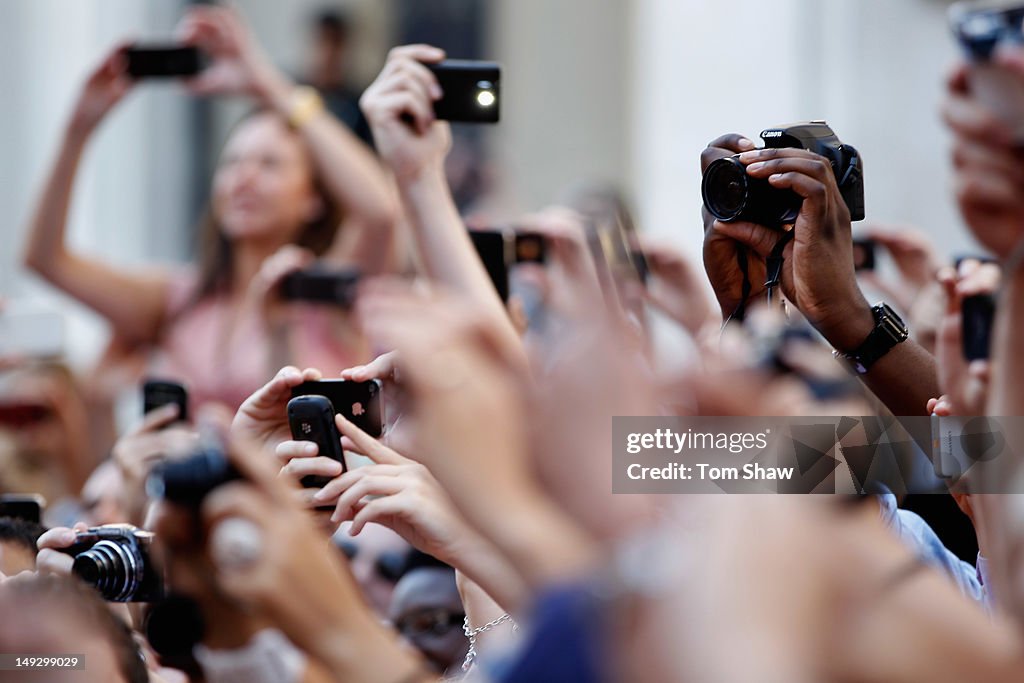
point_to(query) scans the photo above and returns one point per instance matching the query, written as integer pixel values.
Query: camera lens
(188, 481)
(114, 568)
(725, 189)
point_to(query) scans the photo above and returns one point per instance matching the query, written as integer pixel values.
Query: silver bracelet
(472, 633)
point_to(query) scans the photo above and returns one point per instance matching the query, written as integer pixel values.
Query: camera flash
(485, 98)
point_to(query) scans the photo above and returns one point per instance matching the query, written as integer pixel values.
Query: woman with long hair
(292, 185)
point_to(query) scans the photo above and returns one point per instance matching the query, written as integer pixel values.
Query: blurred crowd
(456, 519)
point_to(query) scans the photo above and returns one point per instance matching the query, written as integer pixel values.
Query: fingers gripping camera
(730, 194)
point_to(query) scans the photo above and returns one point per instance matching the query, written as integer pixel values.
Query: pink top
(223, 355)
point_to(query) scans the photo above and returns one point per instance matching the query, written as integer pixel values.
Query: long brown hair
(215, 252)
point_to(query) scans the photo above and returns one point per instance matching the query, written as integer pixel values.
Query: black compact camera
(732, 195)
(322, 285)
(115, 560)
(186, 482)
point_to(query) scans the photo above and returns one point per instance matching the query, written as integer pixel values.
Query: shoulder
(182, 286)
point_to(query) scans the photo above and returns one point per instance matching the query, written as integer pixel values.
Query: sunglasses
(430, 622)
(389, 566)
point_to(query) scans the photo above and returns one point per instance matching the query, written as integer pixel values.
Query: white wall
(873, 68)
(565, 109)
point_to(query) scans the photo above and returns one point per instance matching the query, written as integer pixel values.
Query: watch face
(890, 323)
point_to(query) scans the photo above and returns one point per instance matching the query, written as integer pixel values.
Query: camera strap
(774, 263)
(741, 309)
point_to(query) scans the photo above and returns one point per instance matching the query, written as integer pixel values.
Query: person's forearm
(351, 175)
(446, 248)
(903, 379)
(542, 544)
(133, 303)
(1006, 392)
(366, 653)
(484, 565)
(45, 247)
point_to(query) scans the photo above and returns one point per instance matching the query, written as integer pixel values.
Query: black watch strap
(889, 331)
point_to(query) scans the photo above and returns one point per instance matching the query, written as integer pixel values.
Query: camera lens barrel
(731, 195)
(114, 567)
(187, 481)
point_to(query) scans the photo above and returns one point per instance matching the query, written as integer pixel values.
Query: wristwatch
(889, 331)
(304, 103)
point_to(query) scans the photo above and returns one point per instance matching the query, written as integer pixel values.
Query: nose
(243, 174)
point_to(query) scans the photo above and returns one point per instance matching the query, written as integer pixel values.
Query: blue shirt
(920, 538)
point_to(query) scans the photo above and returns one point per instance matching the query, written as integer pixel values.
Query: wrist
(428, 177)
(79, 129)
(273, 89)
(847, 329)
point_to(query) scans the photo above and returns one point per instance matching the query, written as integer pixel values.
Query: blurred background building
(627, 91)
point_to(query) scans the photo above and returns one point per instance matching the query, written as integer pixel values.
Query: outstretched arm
(132, 302)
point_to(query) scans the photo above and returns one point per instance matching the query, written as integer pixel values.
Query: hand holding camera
(263, 418)
(964, 337)
(105, 87)
(675, 287)
(910, 250)
(256, 540)
(736, 273)
(400, 108)
(238, 65)
(788, 184)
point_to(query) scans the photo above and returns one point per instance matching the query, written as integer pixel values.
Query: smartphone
(322, 285)
(529, 247)
(31, 334)
(311, 418)
(359, 402)
(977, 314)
(163, 61)
(492, 248)
(472, 91)
(158, 393)
(27, 506)
(864, 254)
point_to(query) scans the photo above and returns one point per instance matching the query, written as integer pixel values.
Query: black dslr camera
(187, 482)
(115, 560)
(732, 195)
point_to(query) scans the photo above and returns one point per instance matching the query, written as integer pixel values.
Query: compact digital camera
(115, 560)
